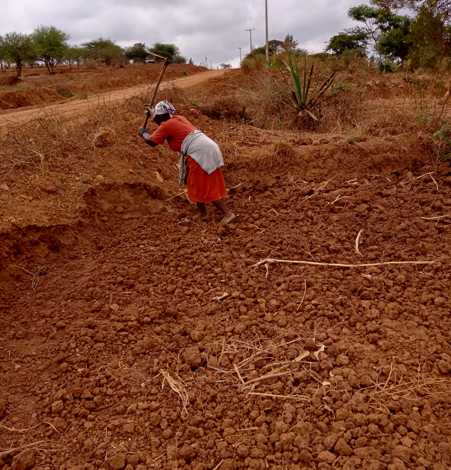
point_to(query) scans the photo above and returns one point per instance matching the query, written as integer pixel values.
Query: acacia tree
(17, 48)
(170, 51)
(371, 19)
(51, 45)
(104, 50)
(137, 53)
(348, 41)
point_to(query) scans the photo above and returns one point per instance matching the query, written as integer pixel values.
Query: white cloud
(200, 28)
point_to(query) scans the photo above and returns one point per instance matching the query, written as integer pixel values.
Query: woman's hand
(150, 112)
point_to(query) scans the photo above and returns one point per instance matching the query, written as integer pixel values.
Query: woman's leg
(226, 212)
(202, 210)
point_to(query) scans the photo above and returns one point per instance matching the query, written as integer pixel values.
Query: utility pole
(250, 35)
(267, 40)
(240, 53)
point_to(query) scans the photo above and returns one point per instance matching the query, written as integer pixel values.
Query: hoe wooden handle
(152, 102)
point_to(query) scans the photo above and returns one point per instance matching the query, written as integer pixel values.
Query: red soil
(112, 297)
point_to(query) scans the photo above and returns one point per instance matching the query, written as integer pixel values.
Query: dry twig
(17, 449)
(303, 297)
(338, 265)
(178, 388)
(357, 243)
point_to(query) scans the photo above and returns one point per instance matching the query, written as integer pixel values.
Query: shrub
(388, 67)
(64, 90)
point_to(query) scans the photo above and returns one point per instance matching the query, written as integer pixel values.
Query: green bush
(64, 90)
(388, 67)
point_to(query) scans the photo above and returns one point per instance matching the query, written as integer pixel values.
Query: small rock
(403, 453)
(444, 367)
(228, 464)
(132, 459)
(100, 178)
(326, 457)
(130, 428)
(57, 407)
(342, 448)
(26, 460)
(305, 456)
(132, 408)
(4, 187)
(60, 424)
(330, 441)
(368, 453)
(117, 462)
(192, 357)
(186, 452)
(342, 360)
(242, 451)
(167, 433)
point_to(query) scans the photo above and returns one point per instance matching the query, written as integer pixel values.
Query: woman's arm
(144, 133)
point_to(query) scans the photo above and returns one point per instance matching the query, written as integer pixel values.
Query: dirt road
(74, 106)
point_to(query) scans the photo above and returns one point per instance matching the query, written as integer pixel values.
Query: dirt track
(74, 106)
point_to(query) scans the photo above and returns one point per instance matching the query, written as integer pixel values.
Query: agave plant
(305, 94)
(443, 134)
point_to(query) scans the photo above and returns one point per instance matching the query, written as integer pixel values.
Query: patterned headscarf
(164, 107)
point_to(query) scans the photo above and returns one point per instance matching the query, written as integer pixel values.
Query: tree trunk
(18, 69)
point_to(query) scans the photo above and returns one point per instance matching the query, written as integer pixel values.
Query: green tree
(77, 55)
(137, 53)
(17, 48)
(429, 32)
(260, 51)
(397, 42)
(51, 45)
(348, 41)
(371, 19)
(104, 50)
(431, 41)
(440, 8)
(170, 51)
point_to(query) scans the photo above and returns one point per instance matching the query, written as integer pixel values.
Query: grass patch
(64, 90)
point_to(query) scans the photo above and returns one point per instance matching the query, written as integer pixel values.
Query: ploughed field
(133, 337)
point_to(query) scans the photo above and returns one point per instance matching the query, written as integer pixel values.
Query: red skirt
(203, 187)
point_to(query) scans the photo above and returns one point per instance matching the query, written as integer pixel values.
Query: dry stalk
(238, 374)
(357, 240)
(219, 464)
(178, 388)
(337, 265)
(17, 449)
(292, 397)
(405, 387)
(303, 297)
(448, 216)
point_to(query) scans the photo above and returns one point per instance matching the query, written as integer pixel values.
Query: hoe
(152, 103)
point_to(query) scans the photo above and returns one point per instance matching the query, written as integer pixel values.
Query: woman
(201, 160)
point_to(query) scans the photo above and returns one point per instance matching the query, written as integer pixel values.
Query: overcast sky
(200, 28)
